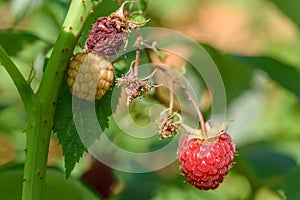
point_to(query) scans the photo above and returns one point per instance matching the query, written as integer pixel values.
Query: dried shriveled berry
(169, 124)
(89, 76)
(106, 36)
(205, 162)
(135, 87)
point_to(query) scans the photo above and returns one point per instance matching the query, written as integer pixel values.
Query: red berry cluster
(205, 162)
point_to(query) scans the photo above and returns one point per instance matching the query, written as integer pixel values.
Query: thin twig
(190, 97)
(137, 56)
(171, 104)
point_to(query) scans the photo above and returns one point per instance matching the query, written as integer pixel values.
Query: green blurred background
(256, 46)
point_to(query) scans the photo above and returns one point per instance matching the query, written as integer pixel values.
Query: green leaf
(13, 41)
(290, 8)
(79, 123)
(291, 186)
(286, 75)
(20, 7)
(236, 76)
(138, 6)
(56, 186)
(57, 10)
(133, 189)
(237, 71)
(65, 128)
(104, 110)
(3, 106)
(143, 4)
(263, 165)
(184, 191)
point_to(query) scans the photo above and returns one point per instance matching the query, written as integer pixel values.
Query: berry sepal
(211, 134)
(135, 86)
(169, 124)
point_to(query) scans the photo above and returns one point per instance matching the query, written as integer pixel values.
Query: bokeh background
(256, 46)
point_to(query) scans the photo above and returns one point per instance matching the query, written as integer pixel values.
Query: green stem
(22, 85)
(41, 115)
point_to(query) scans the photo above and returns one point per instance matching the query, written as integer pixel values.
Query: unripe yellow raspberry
(89, 76)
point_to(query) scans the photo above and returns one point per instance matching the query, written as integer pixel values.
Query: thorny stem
(190, 97)
(171, 104)
(40, 117)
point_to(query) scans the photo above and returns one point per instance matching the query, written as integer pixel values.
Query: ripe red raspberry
(205, 162)
(89, 76)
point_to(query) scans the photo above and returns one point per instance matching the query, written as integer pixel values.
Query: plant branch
(171, 104)
(181, 85)
(138, 55)
(41, 118)
(190, 97)
(22, 85)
